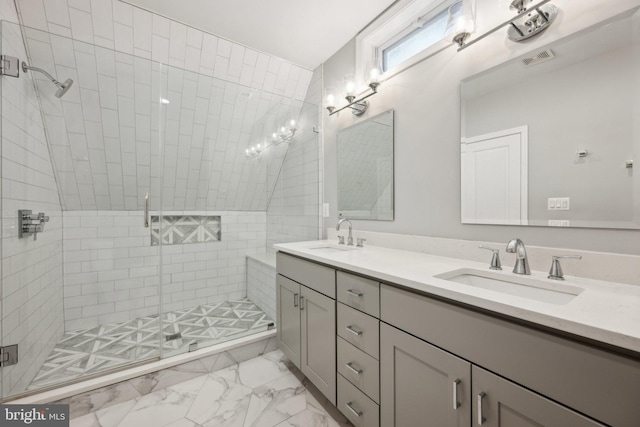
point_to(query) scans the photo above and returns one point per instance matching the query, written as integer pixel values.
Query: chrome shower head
(62, 87)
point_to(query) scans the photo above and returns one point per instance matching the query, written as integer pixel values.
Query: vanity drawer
(359, 293)
(315, 276)
(359, 329)
(360, 369)
(356, 406)
(596, 382)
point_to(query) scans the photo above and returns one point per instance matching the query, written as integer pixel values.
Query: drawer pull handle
(295, 300)
(301, 303)
(354, 369)
(352, 409)
(354, 293)
(354, 331)
(456, 404)
(481, 419)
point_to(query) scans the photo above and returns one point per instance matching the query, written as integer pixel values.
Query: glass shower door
(223, 147)
(81, 296)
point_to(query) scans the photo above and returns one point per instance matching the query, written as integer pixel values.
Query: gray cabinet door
(501, 403)
(288, 308)
(318, 362)
(421, 385)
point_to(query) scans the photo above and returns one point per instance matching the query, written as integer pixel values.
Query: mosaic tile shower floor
(104, 347)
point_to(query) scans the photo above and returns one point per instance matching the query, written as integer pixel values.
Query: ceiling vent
(538, 58)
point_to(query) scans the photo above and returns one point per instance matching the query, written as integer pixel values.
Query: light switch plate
(559, 204)
(325, 210)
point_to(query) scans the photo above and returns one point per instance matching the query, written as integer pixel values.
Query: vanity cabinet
(307, 320)
(393, 357)
(421, 384)
(358, 330)
(501, 403)
(602, 385)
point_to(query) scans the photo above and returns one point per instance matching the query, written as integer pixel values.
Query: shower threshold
(106, 347)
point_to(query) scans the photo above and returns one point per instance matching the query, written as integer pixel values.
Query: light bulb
(274, 135)
(349, 84)
(246, 152)
(292, 123)
(374, 74)
(283, 129)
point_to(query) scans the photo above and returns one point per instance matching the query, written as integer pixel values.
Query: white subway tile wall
(111, 269)
(261, 283)
(31, 288)
(103, 155)
(105, 132)
(121, 27)
(294, 209)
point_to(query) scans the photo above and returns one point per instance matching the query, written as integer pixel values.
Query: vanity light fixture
(285, 134)
(358, 106)
(529, 21)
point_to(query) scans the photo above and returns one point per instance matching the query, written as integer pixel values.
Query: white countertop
(603, 311)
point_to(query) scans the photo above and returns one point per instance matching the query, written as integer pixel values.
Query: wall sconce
(358, 106)
(285, 134)
(529, 22)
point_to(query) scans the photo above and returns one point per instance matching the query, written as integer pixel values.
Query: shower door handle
(146, 210)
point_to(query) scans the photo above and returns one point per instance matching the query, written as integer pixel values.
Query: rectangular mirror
(553, 138)
(365, 169)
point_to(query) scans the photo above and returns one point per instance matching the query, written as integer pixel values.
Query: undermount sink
(332, 247)
(525, 287)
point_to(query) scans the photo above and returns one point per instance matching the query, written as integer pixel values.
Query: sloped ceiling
(112, 141)
(304, 32)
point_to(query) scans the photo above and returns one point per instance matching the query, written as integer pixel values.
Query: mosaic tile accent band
(185, 229)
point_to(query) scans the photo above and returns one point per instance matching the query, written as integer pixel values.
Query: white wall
(31, 288)
(111, 269)
(427, 135)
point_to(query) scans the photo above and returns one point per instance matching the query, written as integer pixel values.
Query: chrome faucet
(516, 246)
(350, 238)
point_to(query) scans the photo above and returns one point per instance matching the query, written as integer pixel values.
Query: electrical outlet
(559, 204)
(559, 223)
(325, 210)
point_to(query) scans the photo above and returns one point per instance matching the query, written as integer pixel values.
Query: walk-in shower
(98, 291)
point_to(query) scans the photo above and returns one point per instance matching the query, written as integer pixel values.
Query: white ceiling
(304, 32)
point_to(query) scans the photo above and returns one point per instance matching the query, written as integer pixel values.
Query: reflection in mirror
(550, 138)
(365, 169)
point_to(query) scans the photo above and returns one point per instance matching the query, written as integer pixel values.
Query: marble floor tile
(221, 402)
(164, 406)
(276, 401)
(168, 377)
(266, 391)
(309, 418)
(95, 400)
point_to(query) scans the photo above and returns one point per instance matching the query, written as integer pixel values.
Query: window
(426, 34)
(411, 32)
